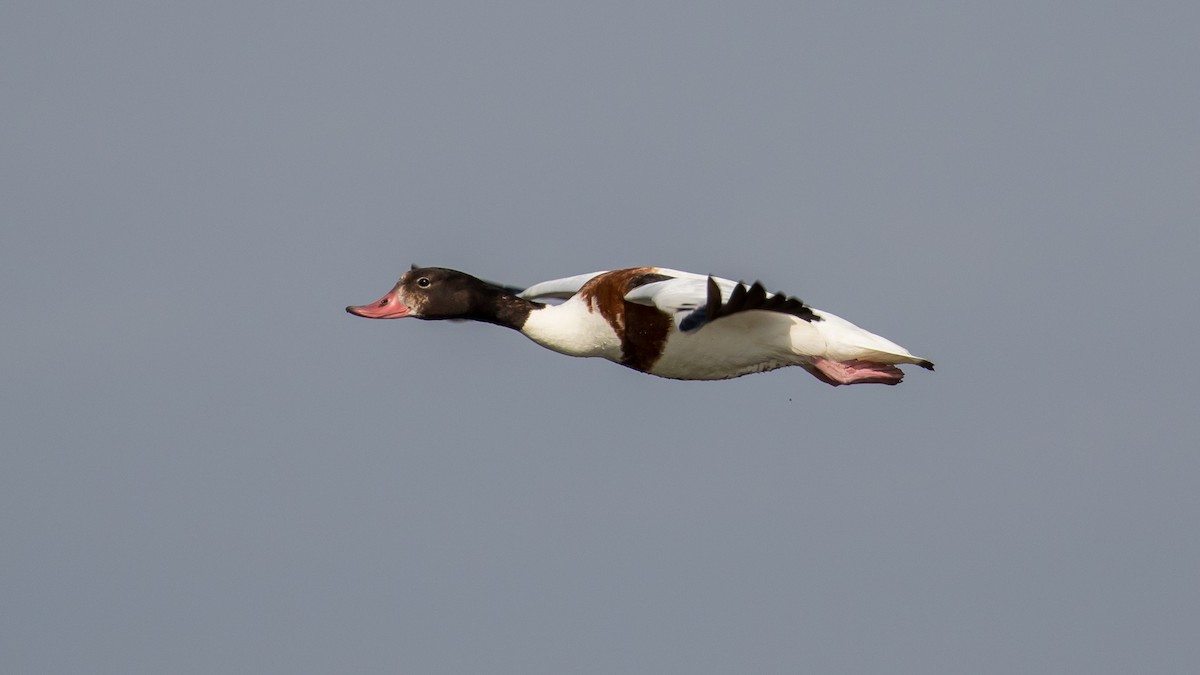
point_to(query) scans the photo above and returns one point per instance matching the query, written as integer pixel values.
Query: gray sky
(208, 466)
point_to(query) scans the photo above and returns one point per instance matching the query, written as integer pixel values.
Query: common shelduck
(658, 321)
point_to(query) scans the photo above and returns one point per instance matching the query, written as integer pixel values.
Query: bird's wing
(696, 300)
(684, 296)
(560, 289)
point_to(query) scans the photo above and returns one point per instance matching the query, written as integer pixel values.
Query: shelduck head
(436, 293)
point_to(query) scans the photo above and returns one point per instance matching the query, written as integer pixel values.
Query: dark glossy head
(441, 293)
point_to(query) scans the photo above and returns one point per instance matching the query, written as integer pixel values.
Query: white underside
(750, 342)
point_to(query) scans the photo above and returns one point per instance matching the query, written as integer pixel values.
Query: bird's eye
(423, 282)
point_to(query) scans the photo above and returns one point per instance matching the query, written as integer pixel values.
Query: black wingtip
(713, 308)
(927, 365)
(743, 298)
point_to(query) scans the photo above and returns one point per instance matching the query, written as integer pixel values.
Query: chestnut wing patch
(642, 330)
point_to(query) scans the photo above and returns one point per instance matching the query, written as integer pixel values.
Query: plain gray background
(208, 467)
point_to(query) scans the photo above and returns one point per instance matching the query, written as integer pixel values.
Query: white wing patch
(682, 297)
(679, 295)
(695, 300)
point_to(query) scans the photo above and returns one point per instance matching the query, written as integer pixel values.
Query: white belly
(732, 347)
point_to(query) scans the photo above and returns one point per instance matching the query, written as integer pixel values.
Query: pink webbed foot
(855, 372)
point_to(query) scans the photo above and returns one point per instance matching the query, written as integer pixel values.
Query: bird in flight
(659, 321)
